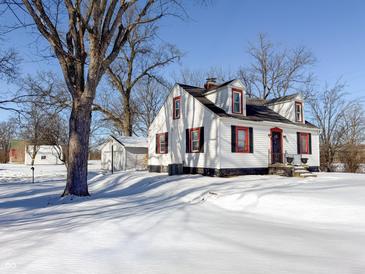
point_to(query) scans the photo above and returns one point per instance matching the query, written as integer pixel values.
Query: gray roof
(255, 111)
(282, 99)
(131, 141)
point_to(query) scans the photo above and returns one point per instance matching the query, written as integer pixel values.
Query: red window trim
(191, 140)
(301, 110)
(247, 141)
(177, 98)
(235, 90)
(158, 143)
(307, 142)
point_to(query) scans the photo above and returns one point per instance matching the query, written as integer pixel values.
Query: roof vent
(211, 83)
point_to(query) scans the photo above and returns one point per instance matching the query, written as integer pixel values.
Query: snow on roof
(131, 141)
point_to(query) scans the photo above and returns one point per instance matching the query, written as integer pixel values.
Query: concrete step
(306, 175)
(300, 168)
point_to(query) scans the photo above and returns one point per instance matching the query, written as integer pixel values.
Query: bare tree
(33, 123)
(57, 136)
(86, 37)
(8, 64)
(275, 72)
(351, 153)
(151, 96)
(140, 58)
(328, 108)
(47, 90)
(198, 77)
(7, 133)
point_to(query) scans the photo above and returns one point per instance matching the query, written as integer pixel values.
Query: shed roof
(131, 141)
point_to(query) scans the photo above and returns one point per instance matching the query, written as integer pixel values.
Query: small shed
(124, 153)
(46, 155)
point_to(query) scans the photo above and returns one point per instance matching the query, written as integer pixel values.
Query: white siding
(193, 114)
(217, 137)
(123, 158)
(262, 144)
(290, 144)
(222, 97)
(287, 109)
(118, 156)
(136, 158)
(259, 158)
(46, 155)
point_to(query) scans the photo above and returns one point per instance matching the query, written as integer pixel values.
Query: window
(236, 101)
(195, 140)
(43, 157)
(162, 143)
(242, 139)
(304, 143)
(298, 112)
(177, 107)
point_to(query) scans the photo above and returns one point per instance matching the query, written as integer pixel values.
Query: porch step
(291, 171)
(306, 175)
(303, 172)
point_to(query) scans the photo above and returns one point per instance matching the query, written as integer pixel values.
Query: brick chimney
(210, 83)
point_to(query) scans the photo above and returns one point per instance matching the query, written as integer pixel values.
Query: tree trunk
(128, 131)
(78, 151)
(34, 154)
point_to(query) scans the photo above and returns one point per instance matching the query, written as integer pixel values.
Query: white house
(217, 131)
(124, 153)
(46, 155)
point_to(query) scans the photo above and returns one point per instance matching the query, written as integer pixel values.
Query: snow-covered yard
(139, 222)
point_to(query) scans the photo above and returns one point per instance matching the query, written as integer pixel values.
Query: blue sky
(218, 34)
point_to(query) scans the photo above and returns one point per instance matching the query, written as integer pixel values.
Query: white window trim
(162, 148)
(196, 141)
(239, 102)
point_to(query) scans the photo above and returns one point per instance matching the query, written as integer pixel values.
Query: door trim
(277, 130)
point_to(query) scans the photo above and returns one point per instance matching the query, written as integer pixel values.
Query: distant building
(17, 151)
(46, 155)
(128, 153)
(20, 153)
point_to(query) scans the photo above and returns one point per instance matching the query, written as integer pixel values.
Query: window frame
(306, 136)
(191, 139)
(240, 92)
(176, 99)
(246, 148)
(301, 111)
(165, 150)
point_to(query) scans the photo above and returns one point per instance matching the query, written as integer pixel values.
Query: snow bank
(139, 222)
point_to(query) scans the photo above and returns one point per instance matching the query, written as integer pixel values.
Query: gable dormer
(290, 106)
(229, 96)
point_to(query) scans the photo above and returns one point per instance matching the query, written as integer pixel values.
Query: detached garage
(124, 153)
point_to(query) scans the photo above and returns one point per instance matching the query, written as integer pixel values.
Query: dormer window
(298, 112)
(177, 107)
(237, 101)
